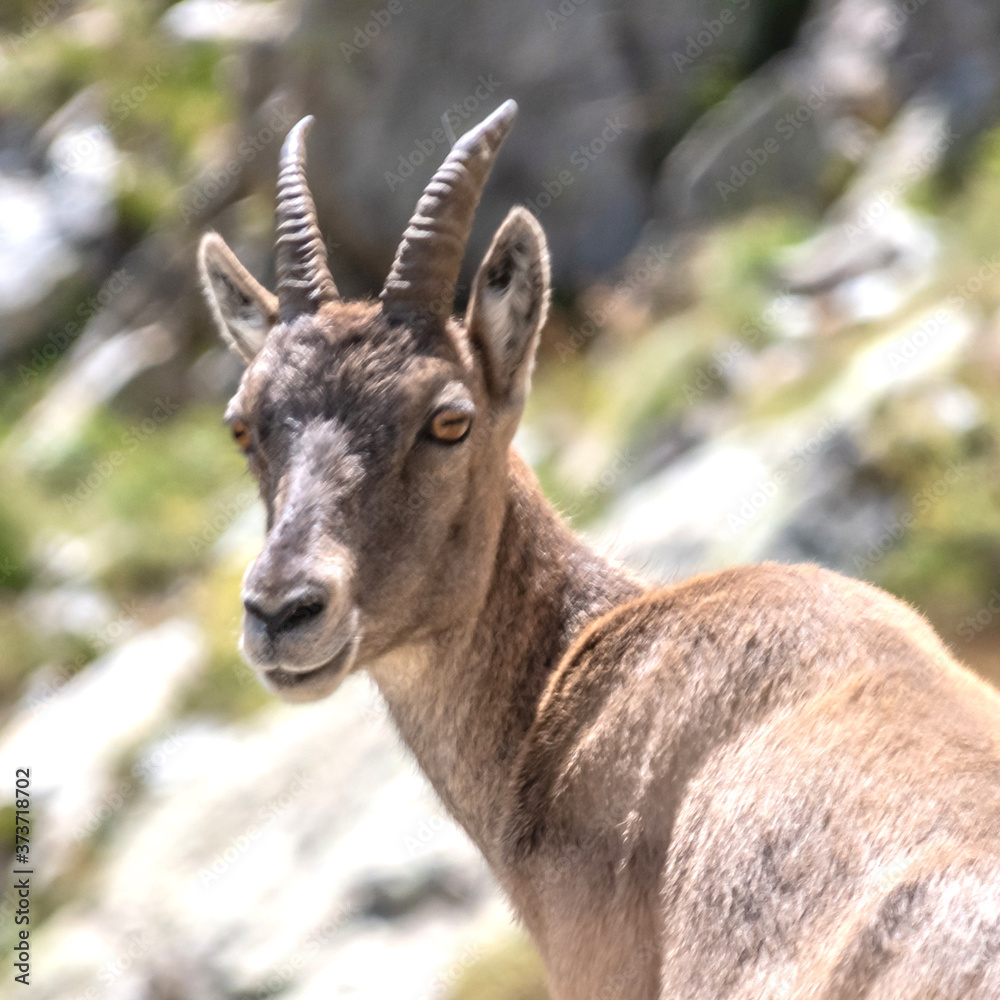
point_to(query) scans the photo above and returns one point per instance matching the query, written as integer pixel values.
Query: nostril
(303, 613)
(292, 614)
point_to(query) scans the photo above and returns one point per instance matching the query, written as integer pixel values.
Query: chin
(298, 685)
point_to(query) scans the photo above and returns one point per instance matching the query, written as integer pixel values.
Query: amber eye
(241, 435)
(450, 426)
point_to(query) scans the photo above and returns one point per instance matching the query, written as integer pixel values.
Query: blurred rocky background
(775, 228)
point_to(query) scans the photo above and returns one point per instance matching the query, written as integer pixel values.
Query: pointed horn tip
(499, 122)
(298, 131)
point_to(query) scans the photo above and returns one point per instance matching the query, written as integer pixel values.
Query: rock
(228, 21)
(34, 256)
(293, 854)
(49, 219)
(76, 736)
(93, 374)
(391, 86)
(815, 113)
(793, 488)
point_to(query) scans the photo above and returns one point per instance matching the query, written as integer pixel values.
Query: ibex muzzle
(301, 621)
(768, 782)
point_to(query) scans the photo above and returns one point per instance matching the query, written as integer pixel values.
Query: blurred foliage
(159, 100)
(510, 970)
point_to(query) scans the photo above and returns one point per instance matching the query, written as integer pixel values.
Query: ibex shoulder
(669, 676)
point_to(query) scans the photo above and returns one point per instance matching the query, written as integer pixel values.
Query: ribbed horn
(304, 280)
(425, 271)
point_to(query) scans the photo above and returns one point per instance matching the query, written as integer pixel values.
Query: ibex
(767, 782)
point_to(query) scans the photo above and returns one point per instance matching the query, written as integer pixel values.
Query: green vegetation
(509, 970)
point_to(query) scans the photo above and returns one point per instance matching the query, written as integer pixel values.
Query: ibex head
(378, 432)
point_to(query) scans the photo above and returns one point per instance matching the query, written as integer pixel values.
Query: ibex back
(770, 782)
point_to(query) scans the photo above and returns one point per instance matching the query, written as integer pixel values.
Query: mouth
(310, 685)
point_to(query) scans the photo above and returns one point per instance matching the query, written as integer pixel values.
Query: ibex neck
(466, 705)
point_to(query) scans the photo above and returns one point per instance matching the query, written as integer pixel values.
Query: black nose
(298, 610)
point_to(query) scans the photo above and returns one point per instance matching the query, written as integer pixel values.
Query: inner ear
(244, 310)
(509, 304)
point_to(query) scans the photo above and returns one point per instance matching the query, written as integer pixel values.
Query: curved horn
(428, 260)
(304, 281)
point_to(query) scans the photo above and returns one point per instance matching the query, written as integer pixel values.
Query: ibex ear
(243, 309)
(510, 300)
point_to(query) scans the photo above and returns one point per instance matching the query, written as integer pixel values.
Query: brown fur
(767, 782)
